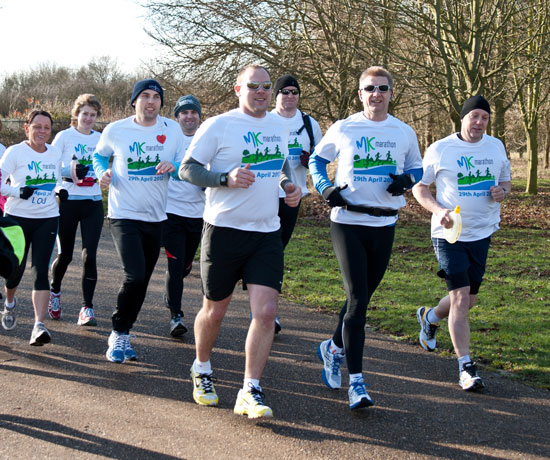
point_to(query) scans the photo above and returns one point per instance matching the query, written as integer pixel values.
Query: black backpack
(307, 125)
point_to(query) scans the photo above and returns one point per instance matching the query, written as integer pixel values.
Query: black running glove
(332, 196)
(26, 192)
(63, 195)
(401, 183)
(81, 171)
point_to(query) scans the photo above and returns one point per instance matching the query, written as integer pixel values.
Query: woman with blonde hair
(84, 206)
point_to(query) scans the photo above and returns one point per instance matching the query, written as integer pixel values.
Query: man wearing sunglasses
(471, 170)
(378, 160)
(239, 156)
(305, 133)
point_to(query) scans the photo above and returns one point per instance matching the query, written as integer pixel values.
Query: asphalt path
(66, 401)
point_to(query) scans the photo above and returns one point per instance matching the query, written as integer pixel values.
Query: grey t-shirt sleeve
(196, 173)
(285, 175)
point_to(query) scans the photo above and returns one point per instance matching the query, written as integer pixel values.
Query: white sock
(202, 368)
(463, 360)
(356, 378)
(254, 382)
(334, 349)
(9, 304)
(432, 317)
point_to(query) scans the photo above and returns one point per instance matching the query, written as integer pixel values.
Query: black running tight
(363, 254)
(89, 214)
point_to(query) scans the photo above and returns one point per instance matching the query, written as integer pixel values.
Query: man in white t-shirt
(378, 160)
(182, 231)
(305, 133)
(239, 156)
(470, 170)
(144, 148)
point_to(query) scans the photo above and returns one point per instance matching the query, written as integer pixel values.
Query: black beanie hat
(142, 85)
(284, 81)
(475, 102)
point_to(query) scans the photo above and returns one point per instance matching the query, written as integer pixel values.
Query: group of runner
(237, 179)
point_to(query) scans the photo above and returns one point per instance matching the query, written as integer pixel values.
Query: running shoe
(358, 396)
(204, 392)
(40, 335)
(129, 352)
(468, 378)
(427, 329)
(54, 305)
(251, 402)
(86, 317)
(9, 319)
(117, 346)
(177, 327)
(278, 327)
(332, 377)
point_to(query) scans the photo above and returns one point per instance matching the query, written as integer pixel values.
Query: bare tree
(530, 76)
(325, 43)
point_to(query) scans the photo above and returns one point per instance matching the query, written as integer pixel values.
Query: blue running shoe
(358, 396)
(129, 352)
(332, 377)
(117, 346)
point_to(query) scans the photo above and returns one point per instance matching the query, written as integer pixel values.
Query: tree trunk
(532, 159)
(498, 127)
(547, 146)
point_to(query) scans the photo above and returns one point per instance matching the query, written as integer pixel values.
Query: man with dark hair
(144, 148)
(470, 170)
(239, 155)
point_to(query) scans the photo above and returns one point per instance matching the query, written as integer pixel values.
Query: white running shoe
(86, 317)
(9, 319)
(427, 329)
(358, 396)
(468, 378)
(332, 377)
(40, 335)
(251, 402)
(54, 305)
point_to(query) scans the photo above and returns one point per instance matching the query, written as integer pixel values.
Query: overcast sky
(72, 32)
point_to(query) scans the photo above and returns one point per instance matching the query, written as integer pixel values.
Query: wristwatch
(223, 179)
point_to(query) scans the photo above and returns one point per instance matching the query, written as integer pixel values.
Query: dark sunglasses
(373, 88)
(286, 92)
(255, 85)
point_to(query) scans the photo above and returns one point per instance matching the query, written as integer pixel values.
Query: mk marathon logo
(465, 162)
(35, 166)
(365, 143)
(253, 138)
(81, 149)
(137, 147)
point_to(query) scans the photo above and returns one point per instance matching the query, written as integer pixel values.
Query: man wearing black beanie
(305, 133)
(145, 148)
(472, 176)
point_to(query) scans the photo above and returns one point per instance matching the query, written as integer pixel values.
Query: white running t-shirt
(136, 191)
(368, 151)
(72, 142)
(234, 140)
(463, 173)
(26, 167)
(297, 143)
(185, 199)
